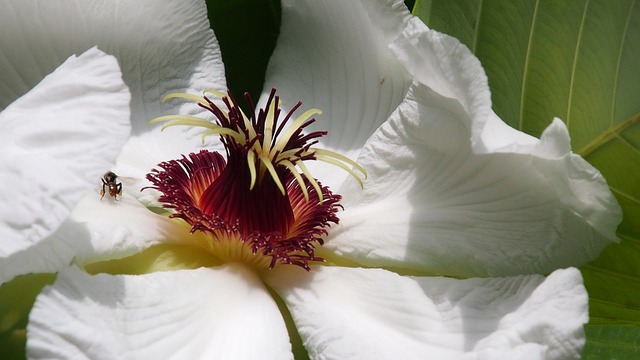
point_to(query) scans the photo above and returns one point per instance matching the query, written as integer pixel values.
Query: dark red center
(216, 196)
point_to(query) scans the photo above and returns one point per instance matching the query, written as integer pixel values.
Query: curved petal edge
(206, 313)
(351, 313)
(57, 142)
(432, 204)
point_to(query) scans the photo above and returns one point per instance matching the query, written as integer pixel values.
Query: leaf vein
(612, 273)
(613, 343)
(626, 237)
(610, 321)
(477, 27)
(629, 144)
(615, 78)
(607, 136)
(624, 194)
(574, 66)
(526, 65)
(614, 304)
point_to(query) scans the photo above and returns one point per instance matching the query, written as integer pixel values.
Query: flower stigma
(259, 204)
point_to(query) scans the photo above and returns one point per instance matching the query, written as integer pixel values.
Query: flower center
(260, 203)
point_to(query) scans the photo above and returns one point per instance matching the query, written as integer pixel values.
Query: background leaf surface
(579, 61)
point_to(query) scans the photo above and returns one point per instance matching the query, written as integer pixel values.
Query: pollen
(259, 203)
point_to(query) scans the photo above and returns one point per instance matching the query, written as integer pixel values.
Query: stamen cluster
(261, 197)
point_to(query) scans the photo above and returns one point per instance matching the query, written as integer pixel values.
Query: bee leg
(119, 188)
(102, 192)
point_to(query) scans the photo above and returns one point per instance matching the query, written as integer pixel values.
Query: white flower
(451, 190)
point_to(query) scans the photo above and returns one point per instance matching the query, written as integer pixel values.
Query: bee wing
(127, 180)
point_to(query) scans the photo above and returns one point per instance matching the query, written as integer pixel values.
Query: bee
(110, 185)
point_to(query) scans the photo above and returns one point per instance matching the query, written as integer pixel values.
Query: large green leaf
(612, 342)
(247, 31)
(16, 300)
(578, 60)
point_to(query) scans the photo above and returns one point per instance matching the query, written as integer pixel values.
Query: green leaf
(612, 342)
(16, 300)
(247, 31)
(579, 61)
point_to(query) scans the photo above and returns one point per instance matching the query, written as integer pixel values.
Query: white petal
(432, 204)
(56, 142)
(162, 47)
(222, 313)
(445, 65)
(97, 230)
(497, 136)
(346, 313)
(334, 56)
(115, 230)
